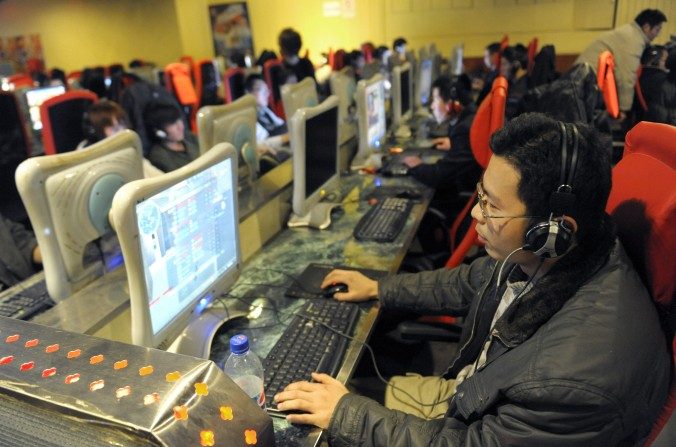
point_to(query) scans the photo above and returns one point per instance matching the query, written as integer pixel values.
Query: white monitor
(371, 116)
(233, 123)
(344, 85)
(456, 62)
(314, 141)
(302, 94)
(401, 94)
(423, 95)
(179, 234)
(68, 197)
(34, 99)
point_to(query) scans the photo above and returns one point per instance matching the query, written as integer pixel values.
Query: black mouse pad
(308, 284)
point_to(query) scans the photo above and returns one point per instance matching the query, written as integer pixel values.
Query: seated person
(663, 109)
(173, 146)
(559, 350)
(653, 74)
(271, 131)
(483, 80)
(458, 170)
(104, 119)
(290, 44)
(513, 66)
(20, 255)
(399, 48)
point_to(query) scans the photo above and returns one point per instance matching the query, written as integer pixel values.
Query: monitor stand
(319, 216)
(196, 339)
(403, 132)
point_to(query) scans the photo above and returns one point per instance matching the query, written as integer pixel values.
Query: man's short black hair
(531, 143)
(251, 80)
(399, 41)
(290, 42)
(450, 91)
(158, 115)
(493, 47)
(652, 17)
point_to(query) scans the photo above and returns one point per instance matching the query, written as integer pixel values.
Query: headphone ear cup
(549, 239)
(453, 106)
(159, 133)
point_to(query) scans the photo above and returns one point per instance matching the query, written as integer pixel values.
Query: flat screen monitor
(34, 99)
(179, 234)
(401, 94)
(343, 85)
(314, 141)
(296, 96)
(456, 61)
(233, 123)
(424, 84)
(371, 115)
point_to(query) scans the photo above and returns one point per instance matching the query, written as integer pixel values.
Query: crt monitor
(314, 142)
(456, 61)
(423, 96)
(34, 99)
(371, 115)
(233, 123)
(68, 197)
(343, 85)
(179, 234)
(302, 94)
(401, 94)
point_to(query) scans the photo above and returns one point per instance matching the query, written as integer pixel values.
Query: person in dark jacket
(173, 146)
(20, 254)
(561, 345)
(290, 44)
(663, 108)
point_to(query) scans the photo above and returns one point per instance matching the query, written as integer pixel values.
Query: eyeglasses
(483, 202)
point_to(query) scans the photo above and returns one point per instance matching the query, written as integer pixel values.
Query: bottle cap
(239, 344)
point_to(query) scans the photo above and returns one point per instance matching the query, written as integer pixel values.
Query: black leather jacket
(581, 360)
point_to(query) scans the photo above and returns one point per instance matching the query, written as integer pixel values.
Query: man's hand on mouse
(412, 161)
(317, 400)
(360, 287)
(442, 143)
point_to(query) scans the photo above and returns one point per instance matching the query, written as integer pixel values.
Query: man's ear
(569, 223)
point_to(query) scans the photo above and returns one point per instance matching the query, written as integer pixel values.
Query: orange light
(181, 412)
(226, 413)
(152, 398)
(173, 376)
(146, 370)
(6, 360)
(31, 343)
(250, 437)
(201, 389)
(93, 360)
(72, 378)
(75, 353)
(27, 366)
(97, 385)
(52, 348)
(120, 364)
(123, 392)
(12, 338)
(207, 438)
(49, 372)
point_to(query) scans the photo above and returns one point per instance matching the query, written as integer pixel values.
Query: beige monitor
(297, 96)
(344, 86)
(233, 123)
(68, 197)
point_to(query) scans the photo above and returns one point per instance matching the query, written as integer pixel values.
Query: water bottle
(245, 369)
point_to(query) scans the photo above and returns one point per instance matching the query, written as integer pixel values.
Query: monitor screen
(35, 98)
(371, 111)
(405, 87)
(314, 141)
(401, 94)
(425, 82)
(179, 234)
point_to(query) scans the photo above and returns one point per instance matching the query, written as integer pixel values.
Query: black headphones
(553, 237)
(88, 129)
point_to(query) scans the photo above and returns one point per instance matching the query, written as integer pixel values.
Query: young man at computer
(173, 146)
(561, 345)
(272, 134)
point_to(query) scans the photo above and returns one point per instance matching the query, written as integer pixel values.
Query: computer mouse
(409, 194)
(336, 287)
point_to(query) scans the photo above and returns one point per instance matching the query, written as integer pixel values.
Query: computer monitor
(423, 96)
(344, 85)
(34, 99)
(371, 116)
(302, 94)
(456, 62)
(401, 94)
(179, 234)
(68, 197)
(314, 141)
(233, 123)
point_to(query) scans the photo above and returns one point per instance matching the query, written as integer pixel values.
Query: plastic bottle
(245, 369)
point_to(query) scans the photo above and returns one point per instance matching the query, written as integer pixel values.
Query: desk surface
(267, 275)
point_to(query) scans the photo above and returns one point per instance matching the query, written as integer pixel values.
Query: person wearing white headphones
(173, 146)
(561, 344)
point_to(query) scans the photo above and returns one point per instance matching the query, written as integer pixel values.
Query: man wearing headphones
(561, 344)
(173, 146)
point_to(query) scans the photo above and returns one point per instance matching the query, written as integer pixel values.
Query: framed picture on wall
(231, 29)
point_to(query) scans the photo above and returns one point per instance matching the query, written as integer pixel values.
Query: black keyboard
(384, 221)
(307, 346)
(27, 302)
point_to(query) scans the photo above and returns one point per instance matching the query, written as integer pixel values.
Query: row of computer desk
(260, 291)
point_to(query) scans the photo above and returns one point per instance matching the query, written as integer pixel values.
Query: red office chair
(62, 120)
(643, 205)
(272, 70)
(605, 76)
(177, 80)
(532, 51)
(233, 82)
(367, 49)
(338, 60)
(20, 80)
(206, 78)
(639, 92)
(73, 79)
(504, 43)
(188, 60)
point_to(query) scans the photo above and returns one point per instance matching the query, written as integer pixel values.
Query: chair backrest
(20, 80)
(642, 203)
(178, 81)
(272, 70)
(233, 82)
(62, 120)
(338, 60)
(605, 76)
(207, 81)
(490, 116)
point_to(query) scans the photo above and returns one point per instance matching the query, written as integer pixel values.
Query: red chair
(272, 71)
(62, 120)
(504, 43)
(605, 76)
(233, 82)
(20, 80)
(338, 60)
(207, 80)
(367, 49)
(639, 92)
(642, 203)
(73, 78)
(177, 80)
(532, 51)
